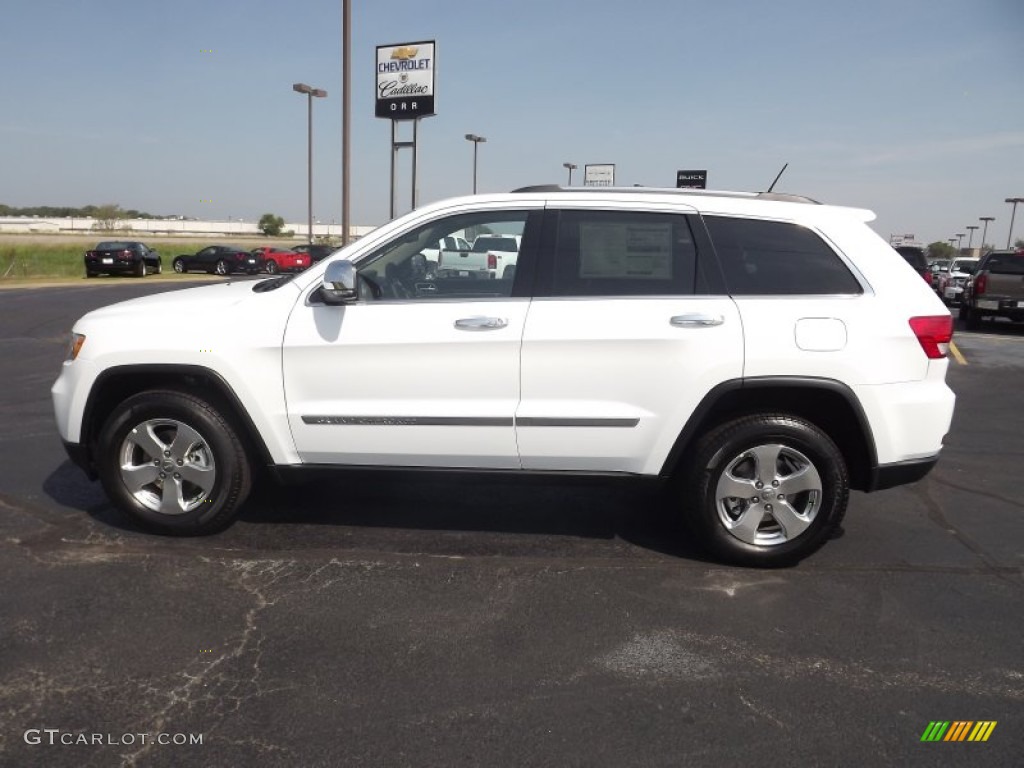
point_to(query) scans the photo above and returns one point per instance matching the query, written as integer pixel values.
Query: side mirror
(339, 284)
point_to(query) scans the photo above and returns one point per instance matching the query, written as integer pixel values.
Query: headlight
(77, 340)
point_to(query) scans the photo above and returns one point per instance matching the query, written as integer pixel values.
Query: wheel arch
(116, 384)
(830, 405)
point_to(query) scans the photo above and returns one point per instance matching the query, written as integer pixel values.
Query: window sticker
(623, 250)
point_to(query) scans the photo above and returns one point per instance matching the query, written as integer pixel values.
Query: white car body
(549, 383)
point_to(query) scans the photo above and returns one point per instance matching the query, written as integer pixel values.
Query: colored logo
(405, 52)
(958, 730)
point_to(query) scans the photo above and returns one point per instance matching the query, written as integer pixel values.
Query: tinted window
(771, 258)
(619, 253)
(1007, 263)
(482, 244)
(112, 245)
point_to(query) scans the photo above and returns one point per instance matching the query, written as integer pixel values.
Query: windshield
(483, 244)
(1006, 263)
(967, 267)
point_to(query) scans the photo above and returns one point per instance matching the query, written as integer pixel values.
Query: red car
(276, 260)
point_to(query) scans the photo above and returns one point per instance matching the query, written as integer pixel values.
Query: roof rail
(781, 197)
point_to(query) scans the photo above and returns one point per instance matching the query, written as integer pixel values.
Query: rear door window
(776, 258)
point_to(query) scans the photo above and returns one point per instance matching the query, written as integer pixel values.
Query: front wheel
(222, 268)
(173, 463)
(272, 268)
(178, 265)
(766, 490)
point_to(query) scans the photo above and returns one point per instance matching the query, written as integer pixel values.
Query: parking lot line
(957, 354)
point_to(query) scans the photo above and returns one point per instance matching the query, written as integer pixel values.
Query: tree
(941, 250)
(107, 216)
(271, 225)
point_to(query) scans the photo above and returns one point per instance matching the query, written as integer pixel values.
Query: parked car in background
(277, 260)
(996, 289)
(219, 259)
(316, 252)
(915, 256)
(491, 256)
(950, 283)
(122, 257)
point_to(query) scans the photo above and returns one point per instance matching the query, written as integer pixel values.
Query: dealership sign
(599, 175)
(405, 80)
(691, 179)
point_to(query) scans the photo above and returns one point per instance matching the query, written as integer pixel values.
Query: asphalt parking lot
(447, 622)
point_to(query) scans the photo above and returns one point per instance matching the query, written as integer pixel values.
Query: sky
(912, 108)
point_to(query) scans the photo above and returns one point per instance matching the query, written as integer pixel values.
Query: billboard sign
(602, 175)
(405, 80)
(692, 179)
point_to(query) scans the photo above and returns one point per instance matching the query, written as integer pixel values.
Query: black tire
(140, 268)
(208, 451)
(796, 445)
(272, 268)
(159, 267)
(973, 319)
(90, 273)
(179, 266)
(222, 268)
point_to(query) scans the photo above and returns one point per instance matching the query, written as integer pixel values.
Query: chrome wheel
(768, 495)
(167, 466)
(221, 268)
(179, 265)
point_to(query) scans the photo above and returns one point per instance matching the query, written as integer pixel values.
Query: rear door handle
(696, 320)
(480, 323)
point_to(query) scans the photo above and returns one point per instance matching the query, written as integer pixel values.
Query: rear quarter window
(775, 258)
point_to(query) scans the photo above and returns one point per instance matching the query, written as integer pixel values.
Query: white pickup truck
(491, 256)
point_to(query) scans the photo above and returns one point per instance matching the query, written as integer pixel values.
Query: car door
(205, 258)
(419, 371)
(624, 338)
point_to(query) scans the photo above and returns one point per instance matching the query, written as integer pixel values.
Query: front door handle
(696, 320)
(480, 323)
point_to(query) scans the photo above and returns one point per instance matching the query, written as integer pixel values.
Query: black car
(916, 257)
(122, 257)
(316, 252)
(220, 260)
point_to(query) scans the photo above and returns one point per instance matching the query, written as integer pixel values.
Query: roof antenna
(778, 177)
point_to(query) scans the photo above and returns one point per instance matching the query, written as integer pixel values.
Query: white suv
(763, 352)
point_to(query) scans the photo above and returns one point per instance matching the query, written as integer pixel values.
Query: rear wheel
(178, 265)
(272, 268)
(159, 267)
(90, 273)
(766, 490)
(173, 463)
(973, 319)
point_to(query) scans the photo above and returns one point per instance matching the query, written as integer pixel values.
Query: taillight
(126, 254)
(929, 277)
(492, 261)
(90, 254)
(240, 256)
(980, 284)
(934, 334)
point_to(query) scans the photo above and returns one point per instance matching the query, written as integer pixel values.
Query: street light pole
(959, 242)
(476, 143)
(1013, 215)
(310, 93)
(984, 232)
(346, 114)
(970, 240)
(571, 167)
